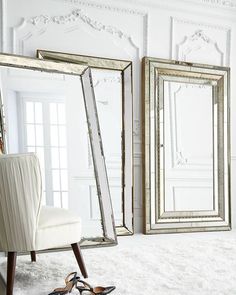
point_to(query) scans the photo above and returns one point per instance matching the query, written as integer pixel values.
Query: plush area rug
(181, 264)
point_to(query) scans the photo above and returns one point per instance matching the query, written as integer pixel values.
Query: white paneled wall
(201, 31)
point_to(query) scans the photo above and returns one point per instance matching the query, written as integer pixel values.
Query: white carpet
(202, 264)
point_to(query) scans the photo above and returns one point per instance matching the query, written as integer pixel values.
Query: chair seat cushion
(51, 216)
(57, 228)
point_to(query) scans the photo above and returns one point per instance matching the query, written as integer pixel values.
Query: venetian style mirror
(112, 81)
(50, 109)
(187, 147)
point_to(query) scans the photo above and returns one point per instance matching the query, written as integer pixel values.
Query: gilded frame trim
(125, 67)
(154, 70)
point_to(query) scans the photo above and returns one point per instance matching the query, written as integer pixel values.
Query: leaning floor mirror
(186, 146)
(112, 81)
(49, 108)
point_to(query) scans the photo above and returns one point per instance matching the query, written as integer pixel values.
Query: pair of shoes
(90, 290)
(70, 284)
(85, 287)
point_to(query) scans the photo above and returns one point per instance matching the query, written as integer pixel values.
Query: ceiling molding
(224, 3)
(103, 6)
(228, 4)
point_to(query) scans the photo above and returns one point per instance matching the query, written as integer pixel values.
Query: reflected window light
(29, 112)
(30, 134)
(52, 154)
(54, 136)
(56, 180)
(44, 201)
(31, 149)
(65, 200)
(63, 158)
(38, 113)
(61, 114)
(55, 157)
(39, 135)
(64, 180)
(57, 199)
(53, 113)
(62, 136)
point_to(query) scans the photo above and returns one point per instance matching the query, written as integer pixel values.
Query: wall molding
(200, 35)
(204, 24)
(106, 7)
(160, 3)
(172, 4)
(133, 12)
(78, 14)
(225, 3)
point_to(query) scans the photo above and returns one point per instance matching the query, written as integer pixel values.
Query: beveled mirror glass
(50, 109)
(187, 147)
(112, 81)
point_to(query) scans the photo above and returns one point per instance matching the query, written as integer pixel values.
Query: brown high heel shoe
(96, 290)
(70, 283)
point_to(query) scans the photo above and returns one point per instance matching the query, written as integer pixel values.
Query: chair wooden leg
(79, 258)
(33, 256)
(11, 267)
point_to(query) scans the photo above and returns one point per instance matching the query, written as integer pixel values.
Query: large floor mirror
(186, 146)
(112, 82)
(49, 108)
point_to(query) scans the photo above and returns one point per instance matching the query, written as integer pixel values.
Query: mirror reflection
(187, 167)
(108, 94)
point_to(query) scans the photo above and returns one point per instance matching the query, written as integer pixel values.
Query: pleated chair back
(20, 201)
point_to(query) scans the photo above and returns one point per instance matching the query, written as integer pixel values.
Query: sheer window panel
(57, 199)
(64, 180)
(61, 113)
(56, 180)
(44, 202)
(53, 113)
(55, 157)
(38, 113)
(54, 136)
(63, 158)
(30, 134)
(29, 107)
(65, 200)
(31, 149)
(62, 135)
(39, 135)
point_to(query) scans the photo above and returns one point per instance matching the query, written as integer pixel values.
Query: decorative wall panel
(124, 30)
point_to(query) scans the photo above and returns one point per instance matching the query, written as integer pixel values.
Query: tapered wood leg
(79, 258)
(33, 256)
(11, 267)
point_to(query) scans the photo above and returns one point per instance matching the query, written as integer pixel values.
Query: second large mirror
(112, 81)
(187, 147)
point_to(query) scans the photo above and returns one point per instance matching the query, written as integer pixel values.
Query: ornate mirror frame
(158, 219)
(125, 69)
(84, 75)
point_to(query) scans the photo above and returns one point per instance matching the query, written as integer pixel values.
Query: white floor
(200, 263)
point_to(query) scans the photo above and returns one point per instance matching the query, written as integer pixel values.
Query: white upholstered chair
(25, 225)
